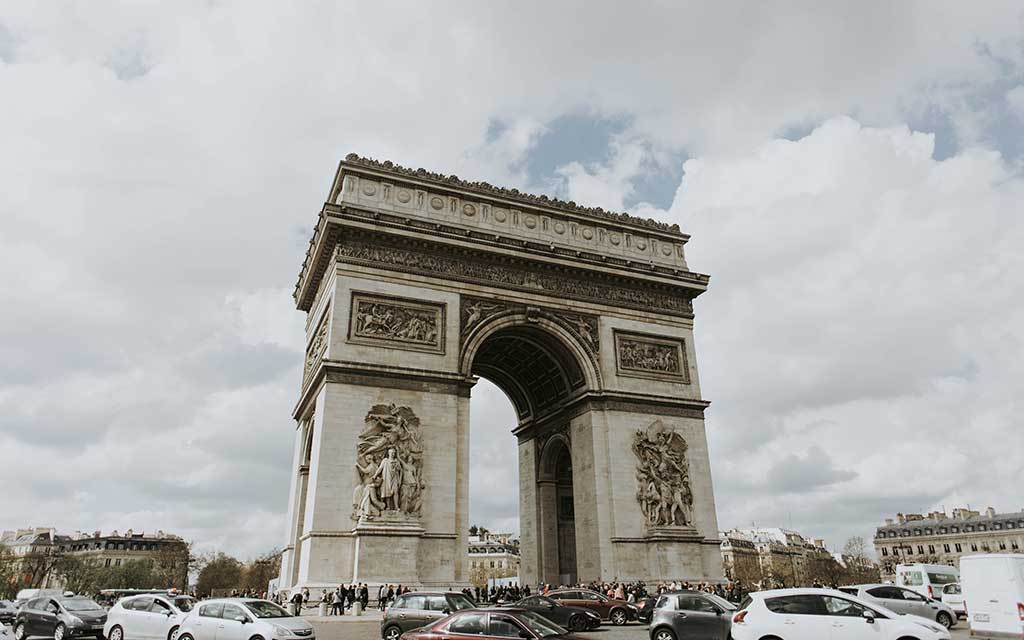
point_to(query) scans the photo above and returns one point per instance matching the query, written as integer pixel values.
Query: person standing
(364, 595)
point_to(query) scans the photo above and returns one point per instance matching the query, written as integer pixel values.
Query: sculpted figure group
(663, 476)
(395, 322)
(389, 464)
(649, 356)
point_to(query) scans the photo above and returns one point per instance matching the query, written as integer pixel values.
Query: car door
(849, 622)
(160, 618)
(470, 625)
(802, 616)
(411, 611)
(138, 619)
(233, 623)
(30, 615)
(699, 618)
(47, 621)
(890, 598)
(436, 608)
(594, 602)
(918, 605)
(501, 625)
(204, 627)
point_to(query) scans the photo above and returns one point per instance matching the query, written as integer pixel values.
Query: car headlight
(283, 631)
(76, 621)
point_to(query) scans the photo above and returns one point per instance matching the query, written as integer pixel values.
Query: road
(369, 629)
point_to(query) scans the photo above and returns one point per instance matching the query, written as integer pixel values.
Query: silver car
(147, 617)
(902, 600)
(243, 619)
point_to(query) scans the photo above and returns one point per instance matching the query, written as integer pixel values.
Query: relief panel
(646, 356)
(396, 323)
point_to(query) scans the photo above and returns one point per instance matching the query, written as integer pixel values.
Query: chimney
(990, 512)
(900, 518)
(888, 522)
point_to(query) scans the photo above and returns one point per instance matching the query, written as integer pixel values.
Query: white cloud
(163, 165)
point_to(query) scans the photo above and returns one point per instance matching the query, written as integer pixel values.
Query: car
(953, 597)
(618, 612)
(646, 610)
(572, 618)
(7, 612)
(242, 619)
(23, 596)
(418, 608)
(815, 614)
(926, 579)
(993, 585)
(903, 600)
(58, 617)
(147, 617)
(691, 614)
(491, 623)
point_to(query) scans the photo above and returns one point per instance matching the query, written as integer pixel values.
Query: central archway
(543, 368)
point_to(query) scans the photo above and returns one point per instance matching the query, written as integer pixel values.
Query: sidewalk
(370, 615)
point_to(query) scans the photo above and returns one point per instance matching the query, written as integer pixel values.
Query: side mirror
(446, 611)
(525, 635)
(869, 616)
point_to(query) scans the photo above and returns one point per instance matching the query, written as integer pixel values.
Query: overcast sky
(851, 176)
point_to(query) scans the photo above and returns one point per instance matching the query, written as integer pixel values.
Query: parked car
(418, 608)
(242, 619)
(815, 614)
(23, 596)
(7, 612)
(926, 579)
(491, 623)
(148, 617)
(691, 615)
(618, 612)
(60, 618)
(572, 618)
(993, 586)
(646, 609)
(953, 597)
(903, 600)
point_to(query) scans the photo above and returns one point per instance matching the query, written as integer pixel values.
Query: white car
(953, 597)
(819, 614)
(903, 600)
(243, 619)
(147, 617)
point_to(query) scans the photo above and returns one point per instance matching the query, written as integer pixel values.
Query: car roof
(680, 592)
(433, 593)
(798, 591)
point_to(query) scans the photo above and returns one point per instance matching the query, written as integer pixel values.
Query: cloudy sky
(851, 176)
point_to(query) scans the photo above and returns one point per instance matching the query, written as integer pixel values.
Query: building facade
(39, 551)
(938, 538)
(493, 556)
(775, 557)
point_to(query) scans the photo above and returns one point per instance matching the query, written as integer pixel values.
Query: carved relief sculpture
(663, 476)
(651, 357)
(317, 345)
(389, 465)
(476, 310)
(401, 323)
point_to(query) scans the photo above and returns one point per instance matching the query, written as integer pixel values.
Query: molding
(402, 305)
(682, 376)
(596, 214)
(476, 267)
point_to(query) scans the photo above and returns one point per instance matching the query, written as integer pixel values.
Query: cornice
(515, 195)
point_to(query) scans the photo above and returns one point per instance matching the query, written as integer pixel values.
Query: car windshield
(721, 602)
(81, 605)
(184, 604)
(461, 602)
(264, 609)
(541, 626)
(941, 578)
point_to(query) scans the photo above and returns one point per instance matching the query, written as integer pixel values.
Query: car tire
(59, 631)
(116, 633)
(171, 635)
(577, 623)
(185, 636)
(618, 617)
(256, 638)
(392, 633)
(663, 633)
(944, 619)
(19, 631)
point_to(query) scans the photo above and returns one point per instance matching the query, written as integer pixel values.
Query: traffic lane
(370, 630)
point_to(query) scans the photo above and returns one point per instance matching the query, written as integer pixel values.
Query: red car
(483, 624)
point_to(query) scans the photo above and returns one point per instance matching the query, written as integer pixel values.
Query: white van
(926, 579)
(993, 586)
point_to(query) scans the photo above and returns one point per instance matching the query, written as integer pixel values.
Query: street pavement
(368, 628)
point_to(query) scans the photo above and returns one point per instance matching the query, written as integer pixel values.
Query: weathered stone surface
(414, 285)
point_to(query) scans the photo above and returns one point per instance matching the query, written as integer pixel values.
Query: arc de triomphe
(416, 283)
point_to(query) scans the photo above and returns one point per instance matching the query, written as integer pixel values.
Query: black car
(7, 611)
(694, 615)
(60, 619)
(572, 618)
(647, 609)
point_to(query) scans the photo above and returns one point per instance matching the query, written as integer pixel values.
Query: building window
(920, 549)
(955, 529)
(945, 548)
(107, 563)
(895, 551)
(1002, 546)
(957, 547)
(885, 551)
(931, 548)
(117, 563)
(981, 527)
(974, 547)
(1013, 544)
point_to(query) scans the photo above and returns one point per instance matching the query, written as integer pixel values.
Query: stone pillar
(529, 538)
(547, 501)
